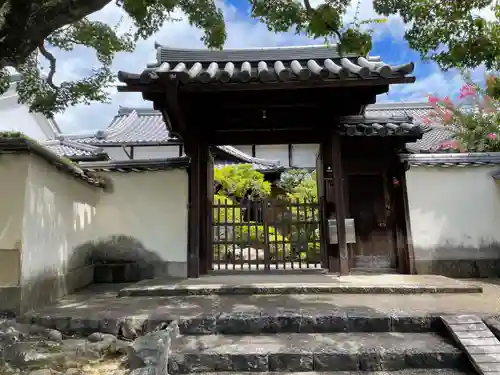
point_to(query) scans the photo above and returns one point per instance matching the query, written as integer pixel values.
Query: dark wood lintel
(350, 82)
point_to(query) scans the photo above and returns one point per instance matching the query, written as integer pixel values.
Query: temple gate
(294, 95)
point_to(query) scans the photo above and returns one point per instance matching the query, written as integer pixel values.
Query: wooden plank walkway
(477, 341)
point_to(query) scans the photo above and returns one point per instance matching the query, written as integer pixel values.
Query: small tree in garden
(473, 116)
(240, 181)
(289, 180)
(306, 190)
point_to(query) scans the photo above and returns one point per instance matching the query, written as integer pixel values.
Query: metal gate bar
(265, 235)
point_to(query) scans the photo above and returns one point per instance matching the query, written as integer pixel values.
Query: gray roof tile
(382, 126)
(130, 125)
(262, 64)
(135, 165)
(452, 160)
(21, 144)
(257, 166)
(434, 134)
(146, 126)
(164, 53)
(71, 149)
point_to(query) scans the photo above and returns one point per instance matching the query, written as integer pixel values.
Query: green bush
(251, 234)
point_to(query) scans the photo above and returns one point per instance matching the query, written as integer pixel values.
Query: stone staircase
(340, 343)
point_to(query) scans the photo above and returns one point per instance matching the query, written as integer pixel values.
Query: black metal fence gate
(265, 235)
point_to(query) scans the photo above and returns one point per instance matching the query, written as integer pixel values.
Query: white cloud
(242, 32)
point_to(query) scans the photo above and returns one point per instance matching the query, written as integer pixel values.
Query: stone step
(352, 320)
(159, 288)
(445, 371)
(299, 352)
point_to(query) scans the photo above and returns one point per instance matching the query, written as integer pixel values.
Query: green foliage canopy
(306, 190)
(460, 34)
(241, 180)
(449, 32)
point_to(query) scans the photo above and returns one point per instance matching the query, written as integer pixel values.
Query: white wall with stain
(454, 212)
(49, 217)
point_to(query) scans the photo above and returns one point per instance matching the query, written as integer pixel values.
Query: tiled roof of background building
(71, 149)
(434, 135)
(452, 159)
(143, 126)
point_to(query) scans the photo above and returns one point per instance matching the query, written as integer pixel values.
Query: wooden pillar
(193, 256)
(200, 207)
(340, 207)
(205, 201)
(409, 241)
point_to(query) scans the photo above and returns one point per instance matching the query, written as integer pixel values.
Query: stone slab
(313, 352)
(256, 322)
(493, 323)
(482, 350)
(399, 372)
(86, 310)
(300, 284)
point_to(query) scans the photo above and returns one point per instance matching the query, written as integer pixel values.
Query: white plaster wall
(16, 117)
(15, 171)
(143, 152)
(273, 152)
(59, 216)
(247, 149)
(454, 212)
(304, 155)
(156, 152)
(50, 215)
(117, 153)
(151, 207)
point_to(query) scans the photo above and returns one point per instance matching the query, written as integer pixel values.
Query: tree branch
(26, 22)
(308, 6)
(52, 61)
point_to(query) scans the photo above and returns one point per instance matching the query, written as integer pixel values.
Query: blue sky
(242, 32)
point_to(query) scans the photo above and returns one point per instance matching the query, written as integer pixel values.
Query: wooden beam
(320, 97)
(340, 207)
(236, 138)
(291, 85)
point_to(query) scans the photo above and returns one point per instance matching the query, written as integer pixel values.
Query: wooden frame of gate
(310, 95)
(283, 235)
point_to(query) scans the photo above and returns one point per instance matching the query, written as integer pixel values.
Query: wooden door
(374, 248)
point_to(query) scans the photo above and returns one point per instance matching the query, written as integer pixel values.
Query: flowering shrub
(474, 117)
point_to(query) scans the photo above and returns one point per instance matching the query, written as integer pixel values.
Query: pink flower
(467, 90)
(448, 116)
(448, 146)
(433, 99)
(427, 121)
(492, 136)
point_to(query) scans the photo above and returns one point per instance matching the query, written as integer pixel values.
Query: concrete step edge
(200, 290)
(313, 352)
(444, 371)
(243, 323)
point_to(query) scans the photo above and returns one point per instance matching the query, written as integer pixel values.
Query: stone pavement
(99, 303)
(224, 284)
